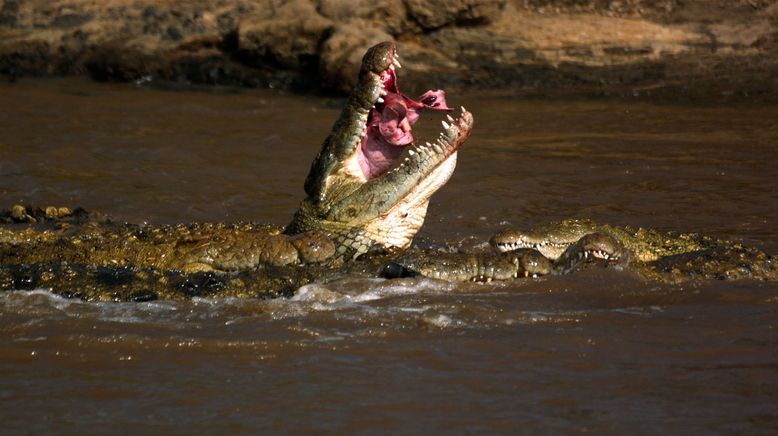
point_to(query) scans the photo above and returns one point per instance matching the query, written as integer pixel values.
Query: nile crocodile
(668, 256)
(367, 196)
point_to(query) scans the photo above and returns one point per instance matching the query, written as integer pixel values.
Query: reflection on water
(600, 350)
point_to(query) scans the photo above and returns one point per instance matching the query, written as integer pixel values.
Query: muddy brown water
(599, 350)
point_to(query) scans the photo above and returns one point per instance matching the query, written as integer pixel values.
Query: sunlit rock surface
(697, 49)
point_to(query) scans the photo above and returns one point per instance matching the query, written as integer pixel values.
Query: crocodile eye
(352, 212)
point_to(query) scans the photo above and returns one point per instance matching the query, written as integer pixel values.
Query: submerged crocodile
(666, 256)
(367, 196)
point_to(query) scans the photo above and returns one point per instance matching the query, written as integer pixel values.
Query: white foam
(439, 320)
(388, 288)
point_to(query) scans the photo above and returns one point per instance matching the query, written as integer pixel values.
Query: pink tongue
(400, 112)
(390, 130)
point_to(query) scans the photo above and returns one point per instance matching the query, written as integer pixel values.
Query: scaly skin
(387, 210)
(662, 256)
(508, 264)
(96, 260)
(368, 188)
(188, 248)
(644, 244)
(464, 267)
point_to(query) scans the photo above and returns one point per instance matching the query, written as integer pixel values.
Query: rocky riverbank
(680, 49)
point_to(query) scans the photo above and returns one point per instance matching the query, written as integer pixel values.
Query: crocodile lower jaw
(399, 223)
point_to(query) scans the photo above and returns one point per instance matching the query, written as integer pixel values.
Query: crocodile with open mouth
(368, 188)
(367, 196)
(371, 184)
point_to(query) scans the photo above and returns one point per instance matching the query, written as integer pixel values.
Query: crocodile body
(97, 260)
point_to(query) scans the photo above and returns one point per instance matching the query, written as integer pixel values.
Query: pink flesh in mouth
(389, 126)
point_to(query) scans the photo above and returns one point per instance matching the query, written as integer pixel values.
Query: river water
(600, 350)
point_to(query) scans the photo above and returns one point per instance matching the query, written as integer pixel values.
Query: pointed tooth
(450, 120)
(463, 109)
(411, 152)
(445, 124)
(380, 100)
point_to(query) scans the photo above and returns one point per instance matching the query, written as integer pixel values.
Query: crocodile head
(371, 182)
(551, 239)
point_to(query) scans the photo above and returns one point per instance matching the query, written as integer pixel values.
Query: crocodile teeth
(411, 152)
(445, 125)
(380, 99)
(450, 120)
(601, 254)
